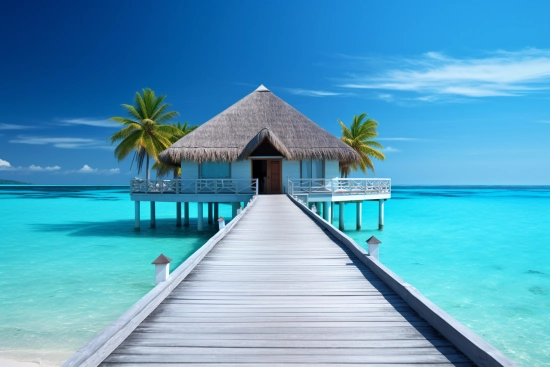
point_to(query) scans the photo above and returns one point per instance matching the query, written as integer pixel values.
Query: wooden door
(274, 176)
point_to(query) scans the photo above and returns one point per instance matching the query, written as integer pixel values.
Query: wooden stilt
(341, 215)
(210, 213)
(234, 208)
(359, 205)
(153, 215)
(186, 214)
(326, 211)
(381, 214)
(137, 216)
(199, 216)
(178, 214)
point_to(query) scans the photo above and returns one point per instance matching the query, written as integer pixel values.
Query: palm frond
(359, 137)
(144, 132)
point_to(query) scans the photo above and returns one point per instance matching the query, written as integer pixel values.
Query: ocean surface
(72, 262)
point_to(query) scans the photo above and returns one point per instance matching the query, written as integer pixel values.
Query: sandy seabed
(10, 363)
(21, 358)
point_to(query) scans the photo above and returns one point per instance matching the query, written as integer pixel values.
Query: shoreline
(5, 362)
(33, 358)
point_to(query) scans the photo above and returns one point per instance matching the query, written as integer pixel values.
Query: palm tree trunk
(147, 174)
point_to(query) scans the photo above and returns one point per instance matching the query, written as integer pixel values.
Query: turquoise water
(72, 262)
(481, 254)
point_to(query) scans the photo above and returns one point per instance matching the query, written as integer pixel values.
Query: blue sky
(460, 89)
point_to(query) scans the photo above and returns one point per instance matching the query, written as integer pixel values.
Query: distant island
(12, 182)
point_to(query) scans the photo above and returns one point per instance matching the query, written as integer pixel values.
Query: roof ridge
(262, 88)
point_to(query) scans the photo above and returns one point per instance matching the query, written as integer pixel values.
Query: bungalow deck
(286, 292)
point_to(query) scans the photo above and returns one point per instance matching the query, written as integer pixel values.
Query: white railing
(200, 186)
(339, 186)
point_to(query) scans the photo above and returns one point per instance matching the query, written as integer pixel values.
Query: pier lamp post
(373, 243)
(162, 268)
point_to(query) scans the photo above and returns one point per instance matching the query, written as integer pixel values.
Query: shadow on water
(165, 228)
(64, 192)
(431, 335)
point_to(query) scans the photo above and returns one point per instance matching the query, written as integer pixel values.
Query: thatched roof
(236, 132)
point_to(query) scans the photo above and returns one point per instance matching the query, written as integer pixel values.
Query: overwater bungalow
(260, 145)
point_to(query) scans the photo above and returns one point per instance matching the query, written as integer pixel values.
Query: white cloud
(87, 169)
(64, 143)
(5, 165)
(390, 150)
(89, 122)
(312, 93)
(385, 97)
(13, 127)
(48, 168)
(434, 74)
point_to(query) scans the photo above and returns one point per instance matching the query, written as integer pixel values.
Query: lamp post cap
(162, 260)
(373, 241)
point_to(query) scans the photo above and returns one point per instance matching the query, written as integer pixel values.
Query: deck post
(199, 216)
(137, 214)
(373, 243)
(178, 214)
(326, 211)
(359, 214)
(153, 215)
(331, 212)
(210, 214)
(162, 268)
(381, 214)
(234, 206)
(216, 210)
(186, 214)
(221, 223)
(341, 215)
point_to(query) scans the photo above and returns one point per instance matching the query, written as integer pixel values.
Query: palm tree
(165, 169)
(359, 136)
(145, 132)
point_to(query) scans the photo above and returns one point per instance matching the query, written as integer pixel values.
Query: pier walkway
(279, 290)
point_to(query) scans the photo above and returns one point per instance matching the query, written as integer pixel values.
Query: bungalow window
(311, 168)
(215, 170)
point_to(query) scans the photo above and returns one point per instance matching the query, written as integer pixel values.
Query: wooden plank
(148, 340)
(285, 295)
(262, 351)
(270, 364)
(310, 358)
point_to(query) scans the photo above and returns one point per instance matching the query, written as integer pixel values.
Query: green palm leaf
(177, 132)
(144, 131)
(359, 137)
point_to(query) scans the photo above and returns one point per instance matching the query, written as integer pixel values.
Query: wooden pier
(280, 289)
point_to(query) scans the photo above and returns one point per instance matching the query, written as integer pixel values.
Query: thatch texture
(236, 132)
